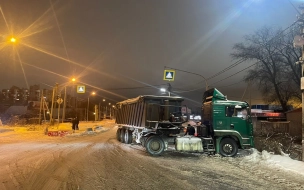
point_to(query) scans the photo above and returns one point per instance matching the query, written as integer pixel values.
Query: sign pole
(64, 105)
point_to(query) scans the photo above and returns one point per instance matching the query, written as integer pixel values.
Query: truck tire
(228, 147)
(118, 134)
(128, 136)
(155, 146)
(122, 135)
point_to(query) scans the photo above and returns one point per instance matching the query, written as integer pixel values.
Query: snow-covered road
(32, 160)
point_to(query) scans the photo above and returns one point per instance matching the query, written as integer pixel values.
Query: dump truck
(156, 122)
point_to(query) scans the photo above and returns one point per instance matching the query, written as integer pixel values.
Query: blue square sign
(81, 89)
(169, 75)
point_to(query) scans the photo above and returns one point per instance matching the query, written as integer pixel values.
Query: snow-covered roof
(152, 97)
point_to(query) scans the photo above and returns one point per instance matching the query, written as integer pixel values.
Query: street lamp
(65, 100)
(164, 90)
(93, 93)
(13, 40)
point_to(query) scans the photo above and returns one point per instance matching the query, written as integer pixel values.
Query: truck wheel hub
(228, 148)
(155, 146)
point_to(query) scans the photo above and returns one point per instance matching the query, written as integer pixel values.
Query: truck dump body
(146, 111)
(152, 121)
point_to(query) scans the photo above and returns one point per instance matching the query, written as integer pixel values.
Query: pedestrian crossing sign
(169, 75)
(81, 89)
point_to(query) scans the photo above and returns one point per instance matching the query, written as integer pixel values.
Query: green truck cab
(227, 122)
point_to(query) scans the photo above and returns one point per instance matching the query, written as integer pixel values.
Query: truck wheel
(228, 147)
(128, 136)
(118, 134)
(155, 145)
(122, 135)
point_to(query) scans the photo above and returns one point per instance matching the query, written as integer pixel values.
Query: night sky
(119, 48)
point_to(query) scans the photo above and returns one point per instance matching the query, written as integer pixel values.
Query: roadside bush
(279, 143)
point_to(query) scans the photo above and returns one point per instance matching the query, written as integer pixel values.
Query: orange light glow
(13, 40)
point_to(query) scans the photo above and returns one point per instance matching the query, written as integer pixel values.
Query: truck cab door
(239, 121)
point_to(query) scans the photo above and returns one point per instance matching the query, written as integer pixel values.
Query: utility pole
(299, 41)
(64, 105)
(88, 108)
(169, 89)
(99, 111)
(96, 112)
(53, 97)
(41, 102)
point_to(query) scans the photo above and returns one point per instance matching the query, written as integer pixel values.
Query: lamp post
(65, 100)
(93, 93)
(206, 83)
(110, 110)
(100, 109)
(164, 90)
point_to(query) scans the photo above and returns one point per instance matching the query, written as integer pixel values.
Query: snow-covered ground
(94, 159)
(253, 156)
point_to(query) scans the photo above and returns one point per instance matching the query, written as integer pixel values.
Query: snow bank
(277, 161)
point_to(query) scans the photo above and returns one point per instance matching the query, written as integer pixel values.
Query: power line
(248, 66)
(254, 63)
(231, 84)
(235, 73)
(228, 68)
(294, 7)
(244, 59)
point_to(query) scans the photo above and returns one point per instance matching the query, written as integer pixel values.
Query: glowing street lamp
(163, 90)
(13, 40)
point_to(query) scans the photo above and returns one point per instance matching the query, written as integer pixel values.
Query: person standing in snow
(190, 130)
(73, 124)
(76, 123)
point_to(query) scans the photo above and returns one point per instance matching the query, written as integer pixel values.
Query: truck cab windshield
(241, 112)
(236, 111)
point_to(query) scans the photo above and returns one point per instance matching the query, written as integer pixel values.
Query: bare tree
(275, 72)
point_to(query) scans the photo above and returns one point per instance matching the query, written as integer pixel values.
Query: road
(99, 161)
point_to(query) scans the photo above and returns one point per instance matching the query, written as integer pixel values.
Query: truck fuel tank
(188, 144)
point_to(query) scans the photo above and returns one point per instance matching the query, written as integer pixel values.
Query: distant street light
(13, 40)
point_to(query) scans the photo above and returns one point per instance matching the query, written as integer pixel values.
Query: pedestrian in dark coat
(190, 130)
(76, 123)
(73, 124)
